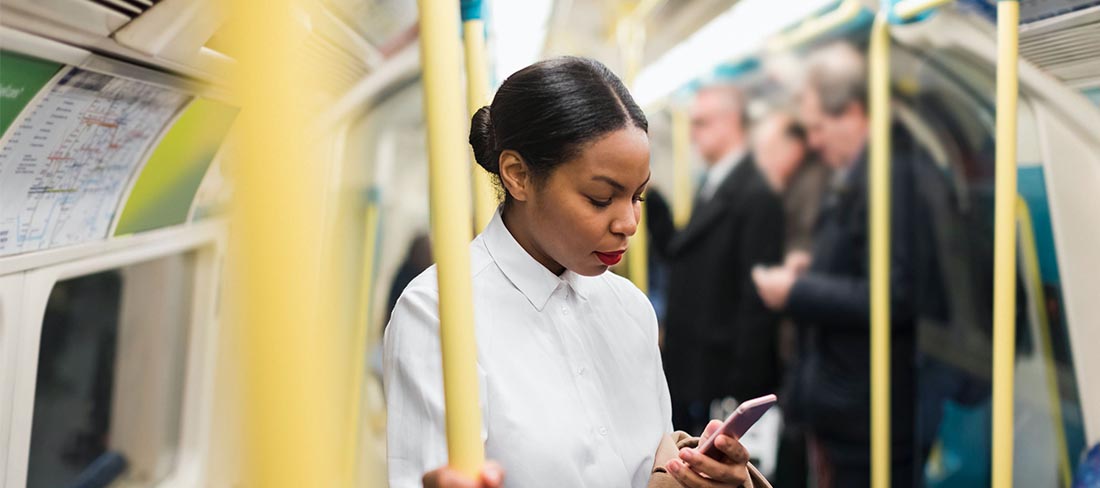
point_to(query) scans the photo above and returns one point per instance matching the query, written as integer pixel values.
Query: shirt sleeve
(413, 379)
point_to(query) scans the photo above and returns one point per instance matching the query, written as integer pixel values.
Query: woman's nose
(626, 222)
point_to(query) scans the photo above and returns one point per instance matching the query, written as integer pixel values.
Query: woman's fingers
(688, 478)
(447, 478)
(492, 476)
(725, 471)
(710, 429)
(732, 448)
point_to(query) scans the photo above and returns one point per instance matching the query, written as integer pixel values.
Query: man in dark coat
(720, 339)
(830, 301)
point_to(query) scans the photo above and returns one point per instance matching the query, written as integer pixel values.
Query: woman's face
(582, 215)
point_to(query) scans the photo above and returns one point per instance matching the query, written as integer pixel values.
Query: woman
(572, 389)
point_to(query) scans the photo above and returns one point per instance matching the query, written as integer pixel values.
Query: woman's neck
(520, 229)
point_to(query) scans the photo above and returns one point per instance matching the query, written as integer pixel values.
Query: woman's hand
(492, 476)
(695, 470)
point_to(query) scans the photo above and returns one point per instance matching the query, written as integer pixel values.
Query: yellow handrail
(451, 217)
(1004, 245)
(682, 193)
(291, 427)
(362, 332)
(1030, 259)
(631, 34)
(907, 9)
(879, 216)
(477, 96)
(814, 27)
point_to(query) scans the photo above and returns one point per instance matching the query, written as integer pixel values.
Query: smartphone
(738, 423)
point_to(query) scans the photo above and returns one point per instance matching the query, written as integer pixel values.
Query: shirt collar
(719, 170)
(528, 275)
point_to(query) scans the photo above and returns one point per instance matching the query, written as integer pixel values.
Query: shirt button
(565, 311)
(581, 370)
(603, 430)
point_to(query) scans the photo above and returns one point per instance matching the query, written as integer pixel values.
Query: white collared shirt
(719, 171)
(572, 388)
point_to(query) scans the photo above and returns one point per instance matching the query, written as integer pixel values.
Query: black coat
(831, 303)
(720, 339)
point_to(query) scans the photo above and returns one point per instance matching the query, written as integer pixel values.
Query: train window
(954, 408)
(110, 378)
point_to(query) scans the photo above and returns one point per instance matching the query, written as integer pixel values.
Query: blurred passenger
(573, 393)
(720, 339)
(417, 259)
(779, 147)
(830, 300)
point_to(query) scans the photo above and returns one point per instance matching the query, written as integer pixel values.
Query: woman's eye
(600, 203)
(639, 198)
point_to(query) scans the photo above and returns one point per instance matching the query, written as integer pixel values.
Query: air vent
(1067, 46)
(129, 8)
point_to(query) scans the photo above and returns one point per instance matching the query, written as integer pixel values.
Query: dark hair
(795, 132)
(548, 111)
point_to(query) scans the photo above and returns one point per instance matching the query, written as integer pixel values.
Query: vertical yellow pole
(363, 332)
(477, 96)
(288, 352)
(681, 167)
(1004, 243)
(631, 40)
(451, 217)
(879, 215)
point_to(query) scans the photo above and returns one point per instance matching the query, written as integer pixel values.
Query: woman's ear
(514, 175)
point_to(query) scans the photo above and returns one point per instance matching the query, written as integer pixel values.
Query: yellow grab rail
(363, 332)
(682, 193)
(844, 12)
(631, 36)
(1004, 243)
(879, 216)
(291, 422)
(1034, 279)
(450, 217)
(907, 9)
(477, 96)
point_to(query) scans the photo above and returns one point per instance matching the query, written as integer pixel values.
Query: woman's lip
(610, 258)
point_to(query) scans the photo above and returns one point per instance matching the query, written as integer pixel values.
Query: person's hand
(695, 470)
(797, 261)
(492, 476)
(774, 285)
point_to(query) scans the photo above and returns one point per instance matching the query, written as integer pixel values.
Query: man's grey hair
(733, 95)
(837, 73)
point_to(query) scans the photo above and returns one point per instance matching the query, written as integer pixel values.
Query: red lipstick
(610, 258)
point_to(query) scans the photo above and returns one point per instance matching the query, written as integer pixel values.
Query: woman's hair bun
(483, 141)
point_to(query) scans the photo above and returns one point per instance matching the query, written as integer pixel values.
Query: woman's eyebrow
(607, 179)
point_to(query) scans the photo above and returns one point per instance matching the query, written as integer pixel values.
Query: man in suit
(720, 339)
(830, 300)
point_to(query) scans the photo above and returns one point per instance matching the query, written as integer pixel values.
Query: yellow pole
(681, 167)
(631, 40)
(1004, 243)
(1030, 259)
(477, 96)
(450, 215)
(879, 214)
(288, 352)
(907, 9)
(362, 333)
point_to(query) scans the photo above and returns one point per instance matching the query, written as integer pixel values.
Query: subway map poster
(69, 157)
